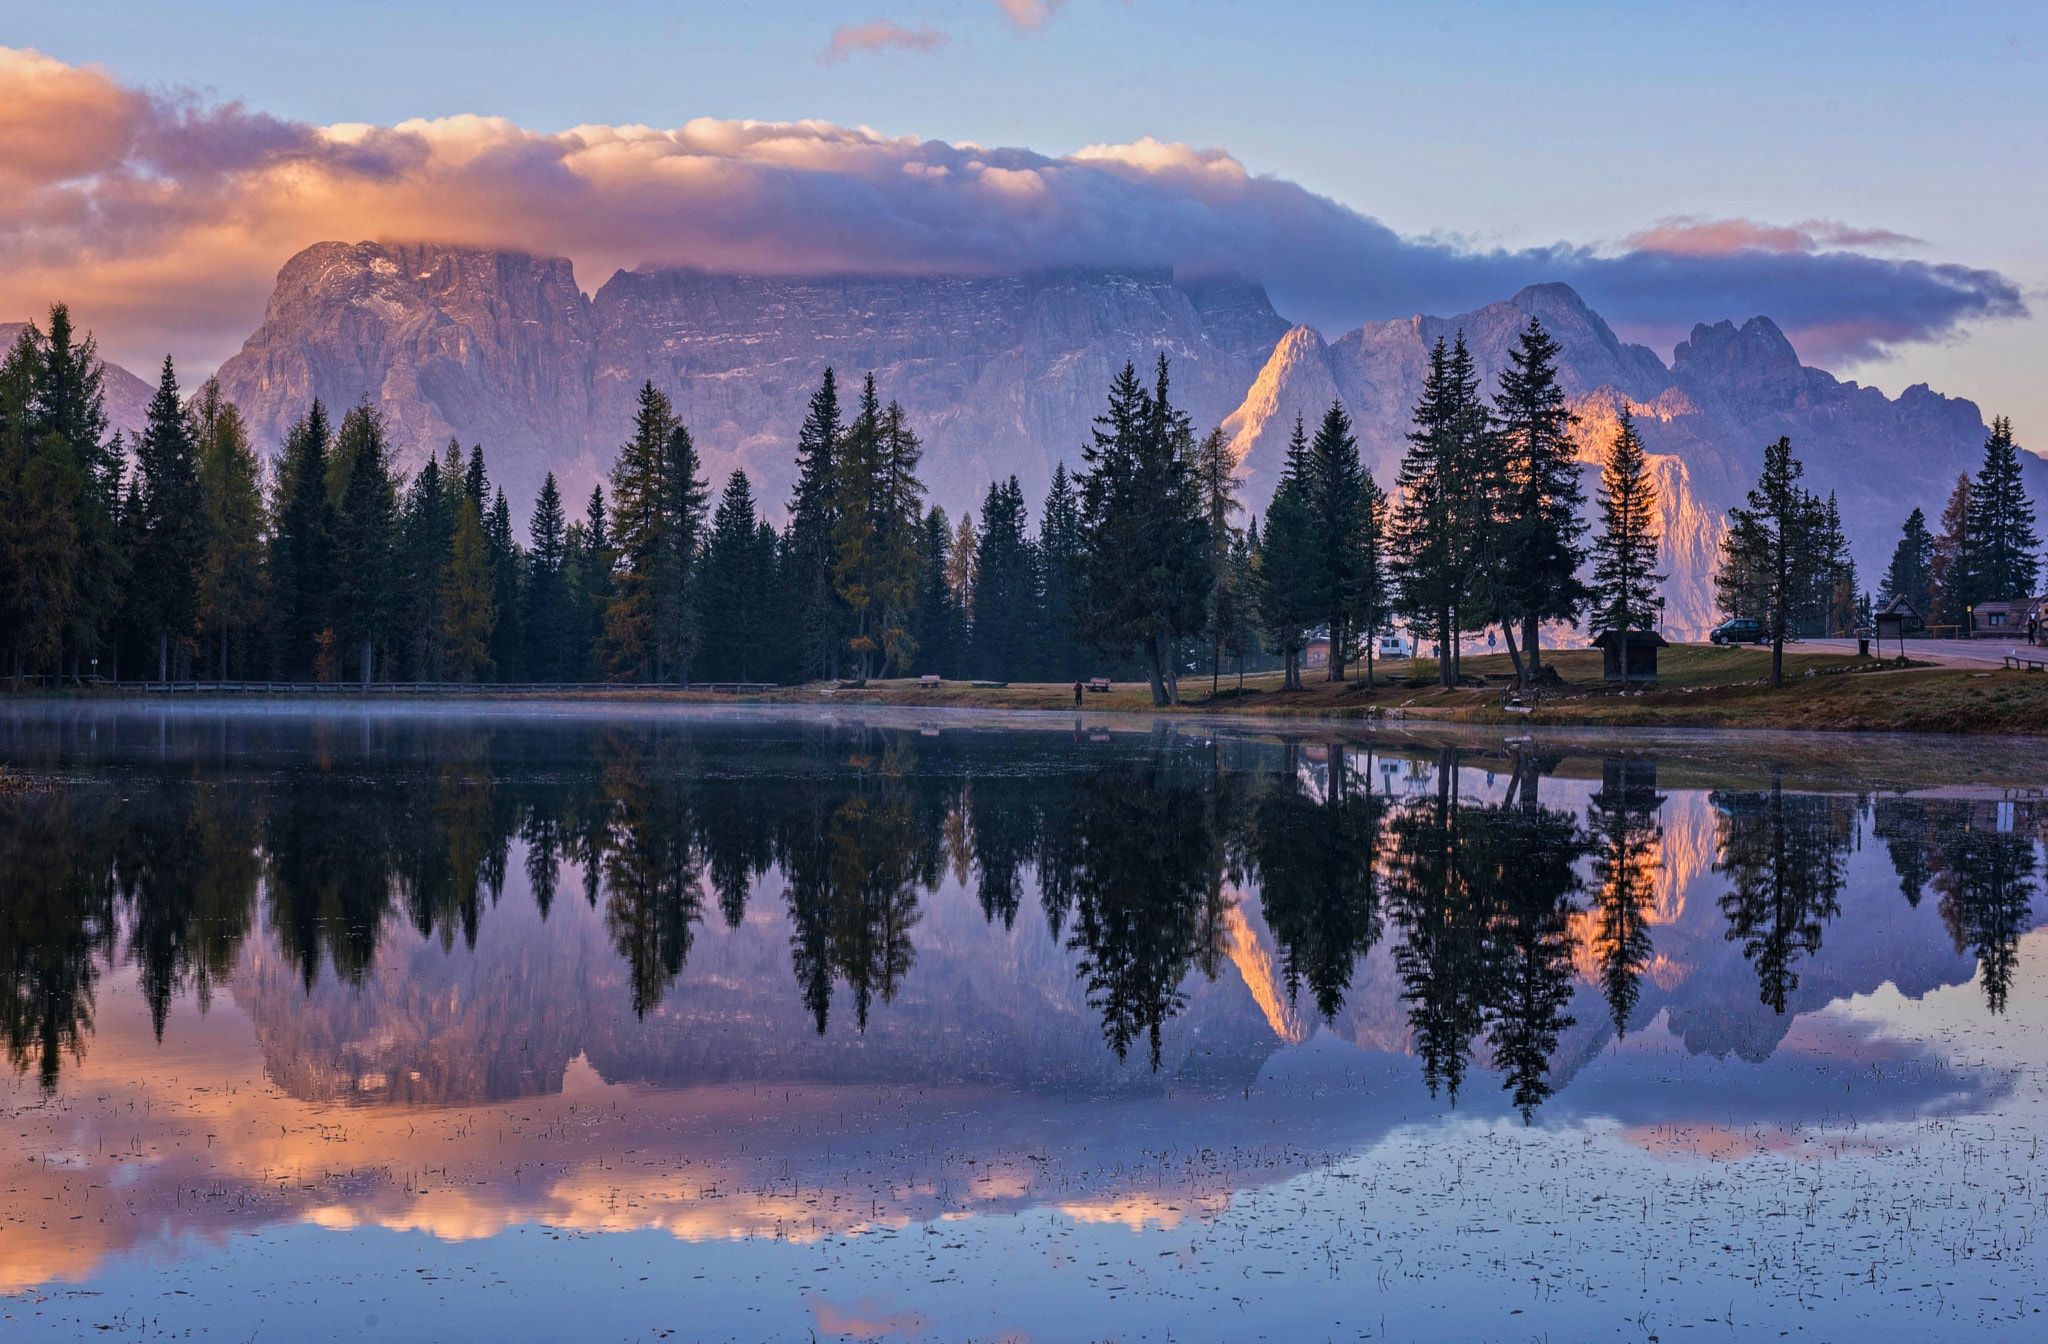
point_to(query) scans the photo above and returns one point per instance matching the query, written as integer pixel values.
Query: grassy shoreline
(1702, 687)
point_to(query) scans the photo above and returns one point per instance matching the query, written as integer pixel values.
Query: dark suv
(1741, 630)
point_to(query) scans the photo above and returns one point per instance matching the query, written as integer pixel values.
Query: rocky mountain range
(1003, 374)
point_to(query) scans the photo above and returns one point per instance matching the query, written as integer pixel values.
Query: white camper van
(1394, 644)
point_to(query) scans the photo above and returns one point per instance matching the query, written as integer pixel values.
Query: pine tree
(231, 580)
(1432, 532)
(596, 564)
(1059, 559)
(1290, 572)
(657, 515)
(468, 599)
(1145, 558)
(1372, 607)
(426, 533)
(1837, 598)
(549, 611)
(1538, 511)
(963, 577)
(301, 544)
(69, 405)
(1335, 494)
(1625, 581)
(935, 622)
(878, 508)
(172, 524)
(1215, 472)
(737, 612)
(1241, 638)
(2002, 522)
(45, 492)
(1956, 566)
(1772, 554)
(1006, 588)
(1911, 572)
(815, 603)
(508, 572)
(365, 541)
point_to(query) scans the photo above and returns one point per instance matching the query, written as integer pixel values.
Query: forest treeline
(183, 555)
(1492, 907)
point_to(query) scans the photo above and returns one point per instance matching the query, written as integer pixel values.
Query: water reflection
(341, 876)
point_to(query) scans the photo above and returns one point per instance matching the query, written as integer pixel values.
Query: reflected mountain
(450, 909)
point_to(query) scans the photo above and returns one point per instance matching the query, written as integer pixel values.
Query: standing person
(1077, 695)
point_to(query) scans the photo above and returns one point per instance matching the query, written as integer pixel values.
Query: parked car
(1395, 645)
(1740, 630)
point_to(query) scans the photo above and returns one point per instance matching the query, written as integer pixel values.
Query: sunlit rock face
(1705, 419)
(1005, 374)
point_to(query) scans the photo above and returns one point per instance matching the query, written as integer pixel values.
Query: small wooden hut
(1642, 653)
(1897, 619)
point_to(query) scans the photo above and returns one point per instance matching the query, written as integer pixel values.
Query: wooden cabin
(1642, 653)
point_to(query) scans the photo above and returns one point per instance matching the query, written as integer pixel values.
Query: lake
(581, 1022)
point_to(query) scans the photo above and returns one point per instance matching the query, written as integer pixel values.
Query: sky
(1871, 175)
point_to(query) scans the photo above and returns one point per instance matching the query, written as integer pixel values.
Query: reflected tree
(1786, 856)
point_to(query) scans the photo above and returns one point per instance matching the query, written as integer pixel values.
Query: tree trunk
(1336, 647)
(1532, 640)
(1523, 676)
(1622, 635)
(367, 661)
(163, 655)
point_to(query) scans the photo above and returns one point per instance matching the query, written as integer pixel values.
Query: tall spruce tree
(739, 608)
(508, 573)
(935, 622)
(820, 614)
(1216, 474)
(1910, 575)
(365, 542)
(1538, 511)
(45, 494)
(468, 598)
(1433, 532)
(1335, 496)
(172, 526)
(657, 514)
(426, 533)
(1772, 554)
(1957, 564)
(1290, 571)
(1006, 591)
(878, 506)
(1625, 577)
(1059, 560)
(2002, 522)
(549, 613)
(1145, 560)
(301, 543)
(231, 588)
(69, 404)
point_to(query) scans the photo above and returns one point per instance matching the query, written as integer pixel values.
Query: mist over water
(763, 1026)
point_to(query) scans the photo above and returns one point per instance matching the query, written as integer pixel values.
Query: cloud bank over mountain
(165, 214)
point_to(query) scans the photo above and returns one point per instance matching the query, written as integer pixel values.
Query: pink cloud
(879, 35)
(1688, 236)
(162, 218)
(1029, 15)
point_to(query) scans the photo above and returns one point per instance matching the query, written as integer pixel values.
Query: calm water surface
(507, 1025)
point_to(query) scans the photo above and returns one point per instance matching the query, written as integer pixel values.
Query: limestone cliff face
(1705, 419)
(999, 374)
(491, 347)
(1004, 374)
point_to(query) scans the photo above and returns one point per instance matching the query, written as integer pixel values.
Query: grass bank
(1702, 687)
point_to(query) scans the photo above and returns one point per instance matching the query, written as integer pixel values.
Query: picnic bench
(2020, 662)
(1099, 685)
(929, 681)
